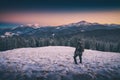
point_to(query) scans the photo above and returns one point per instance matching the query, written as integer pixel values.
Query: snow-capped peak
(81, 23)
(35, 25)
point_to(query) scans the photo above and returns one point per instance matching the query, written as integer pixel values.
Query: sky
(59, 12)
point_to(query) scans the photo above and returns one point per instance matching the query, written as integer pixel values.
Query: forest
(95, 40)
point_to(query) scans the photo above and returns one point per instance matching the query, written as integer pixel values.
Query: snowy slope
(56, 63)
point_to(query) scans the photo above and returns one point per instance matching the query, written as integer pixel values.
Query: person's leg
(80, 57)
(75, 59)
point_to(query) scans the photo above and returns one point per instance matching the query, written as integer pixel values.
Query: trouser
(80, 58)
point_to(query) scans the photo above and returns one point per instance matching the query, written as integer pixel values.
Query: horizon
(38, 25)
(14, 25)
(61, 18)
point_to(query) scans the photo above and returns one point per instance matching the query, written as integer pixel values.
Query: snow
(56, 63)
(57, 27)
(9, 34)
(2, 36)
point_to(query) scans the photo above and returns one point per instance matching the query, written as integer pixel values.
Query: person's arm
(76, 48)
(82, 48)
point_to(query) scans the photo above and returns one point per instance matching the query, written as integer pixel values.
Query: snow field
(56, 63)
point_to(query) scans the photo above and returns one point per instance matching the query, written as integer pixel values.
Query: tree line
(89, 43)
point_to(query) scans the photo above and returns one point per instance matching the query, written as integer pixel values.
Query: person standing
(78, 51)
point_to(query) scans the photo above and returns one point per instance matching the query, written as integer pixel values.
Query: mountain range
(35, 30)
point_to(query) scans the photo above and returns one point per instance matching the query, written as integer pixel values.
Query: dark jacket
(79, 49)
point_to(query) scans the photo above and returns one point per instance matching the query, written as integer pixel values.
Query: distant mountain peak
(31, 25)
(83, 21)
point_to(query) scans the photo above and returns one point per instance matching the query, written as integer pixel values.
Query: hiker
(78, 51)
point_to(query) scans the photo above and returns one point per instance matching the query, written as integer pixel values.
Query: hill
(56, 63)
